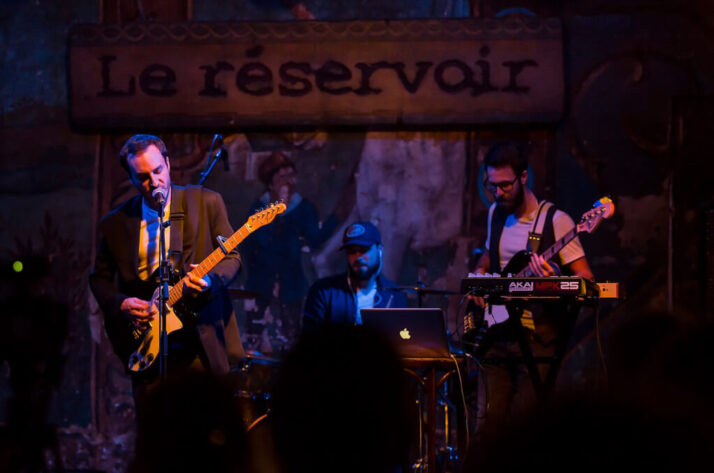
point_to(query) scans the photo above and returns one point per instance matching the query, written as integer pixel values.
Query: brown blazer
(115, 275)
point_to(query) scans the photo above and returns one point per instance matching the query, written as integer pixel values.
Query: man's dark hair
(507, 154)
(137, 144)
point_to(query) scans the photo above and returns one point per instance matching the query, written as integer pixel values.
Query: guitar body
(148, 341)
(480, 318)
(518, 263)
(139, 348)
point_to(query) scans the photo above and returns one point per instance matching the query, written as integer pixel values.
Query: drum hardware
(421, 290)
(240, 293)
(254, 380)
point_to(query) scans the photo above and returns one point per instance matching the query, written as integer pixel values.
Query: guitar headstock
(603, 208)
(267, 215)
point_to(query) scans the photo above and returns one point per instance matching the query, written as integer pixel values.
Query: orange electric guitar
(145, 343)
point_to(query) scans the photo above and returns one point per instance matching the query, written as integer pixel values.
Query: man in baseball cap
(361, 233)
(339, 299)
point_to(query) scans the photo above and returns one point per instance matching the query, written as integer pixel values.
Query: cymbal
(238, 293)
(422, 290)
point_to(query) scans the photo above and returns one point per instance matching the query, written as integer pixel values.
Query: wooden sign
(198, 75)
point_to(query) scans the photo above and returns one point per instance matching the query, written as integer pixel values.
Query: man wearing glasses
(513, 213)
(513, 223)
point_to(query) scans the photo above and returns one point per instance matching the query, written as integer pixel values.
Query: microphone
(159, 196)
(222, 152)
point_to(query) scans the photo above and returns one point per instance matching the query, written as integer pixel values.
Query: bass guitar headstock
(603, 209)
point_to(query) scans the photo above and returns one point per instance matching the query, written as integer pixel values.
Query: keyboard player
(517, 220)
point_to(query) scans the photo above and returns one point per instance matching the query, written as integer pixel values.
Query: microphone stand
(221, 154)
(164, 272)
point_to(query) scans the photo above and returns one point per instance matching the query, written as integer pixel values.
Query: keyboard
(530, 287)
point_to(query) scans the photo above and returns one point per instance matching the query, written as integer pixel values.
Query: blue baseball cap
(361, 233)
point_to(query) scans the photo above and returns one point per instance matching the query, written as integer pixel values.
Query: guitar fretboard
(551, 251)
(176, 291)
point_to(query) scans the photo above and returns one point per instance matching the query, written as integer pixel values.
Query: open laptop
(415, 333)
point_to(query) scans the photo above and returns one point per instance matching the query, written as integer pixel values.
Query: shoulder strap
(548, 229)
(178, 205)
(498, 220)
(535, 236)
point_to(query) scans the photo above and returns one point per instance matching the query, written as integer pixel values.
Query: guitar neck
(176, 292)
(552, 250)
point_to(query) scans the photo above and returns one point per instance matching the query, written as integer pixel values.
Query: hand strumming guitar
(139, 312)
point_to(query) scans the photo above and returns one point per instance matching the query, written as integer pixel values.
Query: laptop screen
(415, 333)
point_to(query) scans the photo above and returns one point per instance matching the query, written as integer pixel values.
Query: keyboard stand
(542, 387)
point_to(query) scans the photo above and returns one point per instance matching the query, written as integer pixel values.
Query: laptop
(414, 333)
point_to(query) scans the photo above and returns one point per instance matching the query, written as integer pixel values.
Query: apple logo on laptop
(404, 333)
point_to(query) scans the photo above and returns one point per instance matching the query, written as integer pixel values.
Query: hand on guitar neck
(540, 267)
(537, 265)
(195, 284)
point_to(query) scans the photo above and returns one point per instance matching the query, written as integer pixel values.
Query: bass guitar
(517, 267)
(146, 341)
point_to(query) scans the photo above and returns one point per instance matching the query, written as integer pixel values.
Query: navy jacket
(330, 300)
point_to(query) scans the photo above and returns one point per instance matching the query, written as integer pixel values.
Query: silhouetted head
(341, 404)
(192, 423)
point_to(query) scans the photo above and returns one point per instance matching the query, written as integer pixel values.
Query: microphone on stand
(159, 196)
(222, 152)
(212, 159)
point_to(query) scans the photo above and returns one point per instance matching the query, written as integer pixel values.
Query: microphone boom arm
(221, 154)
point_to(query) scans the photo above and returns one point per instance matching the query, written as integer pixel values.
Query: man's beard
(361, 272)
(515, 202)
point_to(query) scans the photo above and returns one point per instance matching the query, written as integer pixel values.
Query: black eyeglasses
(504, 186)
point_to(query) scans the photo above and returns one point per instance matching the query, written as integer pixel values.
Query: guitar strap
(535, 236)
(178, 205)
(498, 220)
(541, 236)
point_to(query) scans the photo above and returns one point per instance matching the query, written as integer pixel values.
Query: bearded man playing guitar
(124, 274)
(517, 221)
